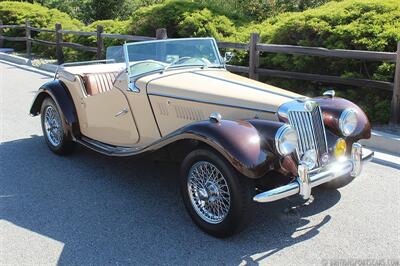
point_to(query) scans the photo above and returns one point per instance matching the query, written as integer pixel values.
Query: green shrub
(349, 24)
(167, 15)
(40, 17)
(12, 12)
(204, 23)
(183, 18)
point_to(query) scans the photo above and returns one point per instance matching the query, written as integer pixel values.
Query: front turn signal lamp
(340, 148)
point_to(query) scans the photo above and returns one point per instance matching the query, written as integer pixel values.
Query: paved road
(90, 209)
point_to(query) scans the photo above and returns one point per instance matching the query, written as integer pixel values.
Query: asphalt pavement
(88, 209)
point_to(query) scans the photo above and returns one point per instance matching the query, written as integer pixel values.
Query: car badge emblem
(324, 158)
(310, 105)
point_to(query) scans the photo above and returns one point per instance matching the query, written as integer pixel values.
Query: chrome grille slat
(303, 132)
(313, 131)
(310, 131)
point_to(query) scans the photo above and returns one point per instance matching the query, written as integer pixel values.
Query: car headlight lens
(348, 122)
(286, 140)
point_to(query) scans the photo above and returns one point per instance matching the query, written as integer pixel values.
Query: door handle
(122, 112)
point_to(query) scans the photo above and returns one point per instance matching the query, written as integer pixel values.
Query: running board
(107, 149)
(112, 150)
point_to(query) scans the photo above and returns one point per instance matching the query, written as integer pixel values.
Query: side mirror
(228, 56)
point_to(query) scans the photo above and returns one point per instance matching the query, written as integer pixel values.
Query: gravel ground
(89, 209)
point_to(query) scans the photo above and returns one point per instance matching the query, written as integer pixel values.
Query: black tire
(240, 190)
(65, 145)
(338, 182)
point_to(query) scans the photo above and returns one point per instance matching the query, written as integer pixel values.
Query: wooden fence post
(254, 56)
(59, 40)
(28, 39)
(161, 34)
(1, 35)
(395, 107)
(100, 43)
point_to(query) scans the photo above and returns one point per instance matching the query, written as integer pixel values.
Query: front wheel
(217, 198)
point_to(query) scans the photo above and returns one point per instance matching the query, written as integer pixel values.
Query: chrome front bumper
(306, 181)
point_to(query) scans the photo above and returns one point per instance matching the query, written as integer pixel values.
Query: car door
(108, 116)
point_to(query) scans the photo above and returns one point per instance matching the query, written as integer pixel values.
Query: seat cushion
(99, 82)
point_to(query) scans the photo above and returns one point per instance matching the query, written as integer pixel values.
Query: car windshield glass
(171, 53)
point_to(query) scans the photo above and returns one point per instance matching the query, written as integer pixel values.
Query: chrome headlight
(285, 140)
(348, 122)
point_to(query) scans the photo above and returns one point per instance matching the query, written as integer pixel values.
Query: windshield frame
(213, 42)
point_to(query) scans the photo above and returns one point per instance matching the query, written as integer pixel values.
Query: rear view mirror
(228, 56)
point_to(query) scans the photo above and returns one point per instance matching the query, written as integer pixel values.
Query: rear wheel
(54, 129)
(217, 198)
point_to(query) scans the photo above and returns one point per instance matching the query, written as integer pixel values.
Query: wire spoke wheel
(209, 192)
(53, 126)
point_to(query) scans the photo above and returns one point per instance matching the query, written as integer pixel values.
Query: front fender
(57, 90)
(247, 145)
(333, 107)
(331, 110)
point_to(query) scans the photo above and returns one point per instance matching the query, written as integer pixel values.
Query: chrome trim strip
(208, 102)
(323, 128)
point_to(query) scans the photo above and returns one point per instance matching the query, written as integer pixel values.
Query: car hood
(217, 86)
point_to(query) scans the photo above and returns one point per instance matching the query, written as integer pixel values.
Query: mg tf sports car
(239, 141)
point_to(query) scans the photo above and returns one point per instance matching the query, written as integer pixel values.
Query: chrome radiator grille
(310, 131)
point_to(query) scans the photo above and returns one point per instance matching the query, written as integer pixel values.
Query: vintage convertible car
(239, 141)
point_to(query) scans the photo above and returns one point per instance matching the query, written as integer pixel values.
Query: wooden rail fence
(253, 47)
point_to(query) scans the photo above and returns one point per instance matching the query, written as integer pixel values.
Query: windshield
(142, 57)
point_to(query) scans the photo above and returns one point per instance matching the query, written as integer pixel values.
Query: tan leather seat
(99, 82)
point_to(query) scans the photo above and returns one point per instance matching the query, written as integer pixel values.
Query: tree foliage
(348, 24)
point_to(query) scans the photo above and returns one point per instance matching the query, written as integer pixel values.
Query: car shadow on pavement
(123, 211)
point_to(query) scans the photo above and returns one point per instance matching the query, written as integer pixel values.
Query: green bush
(183, 18)
(167, 15)
(40, 17)
(12, 12)
(204, 23)
(349, 24)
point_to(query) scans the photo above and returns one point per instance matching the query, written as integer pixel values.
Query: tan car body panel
(182, 97)
(168, 101)
(96, 115)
